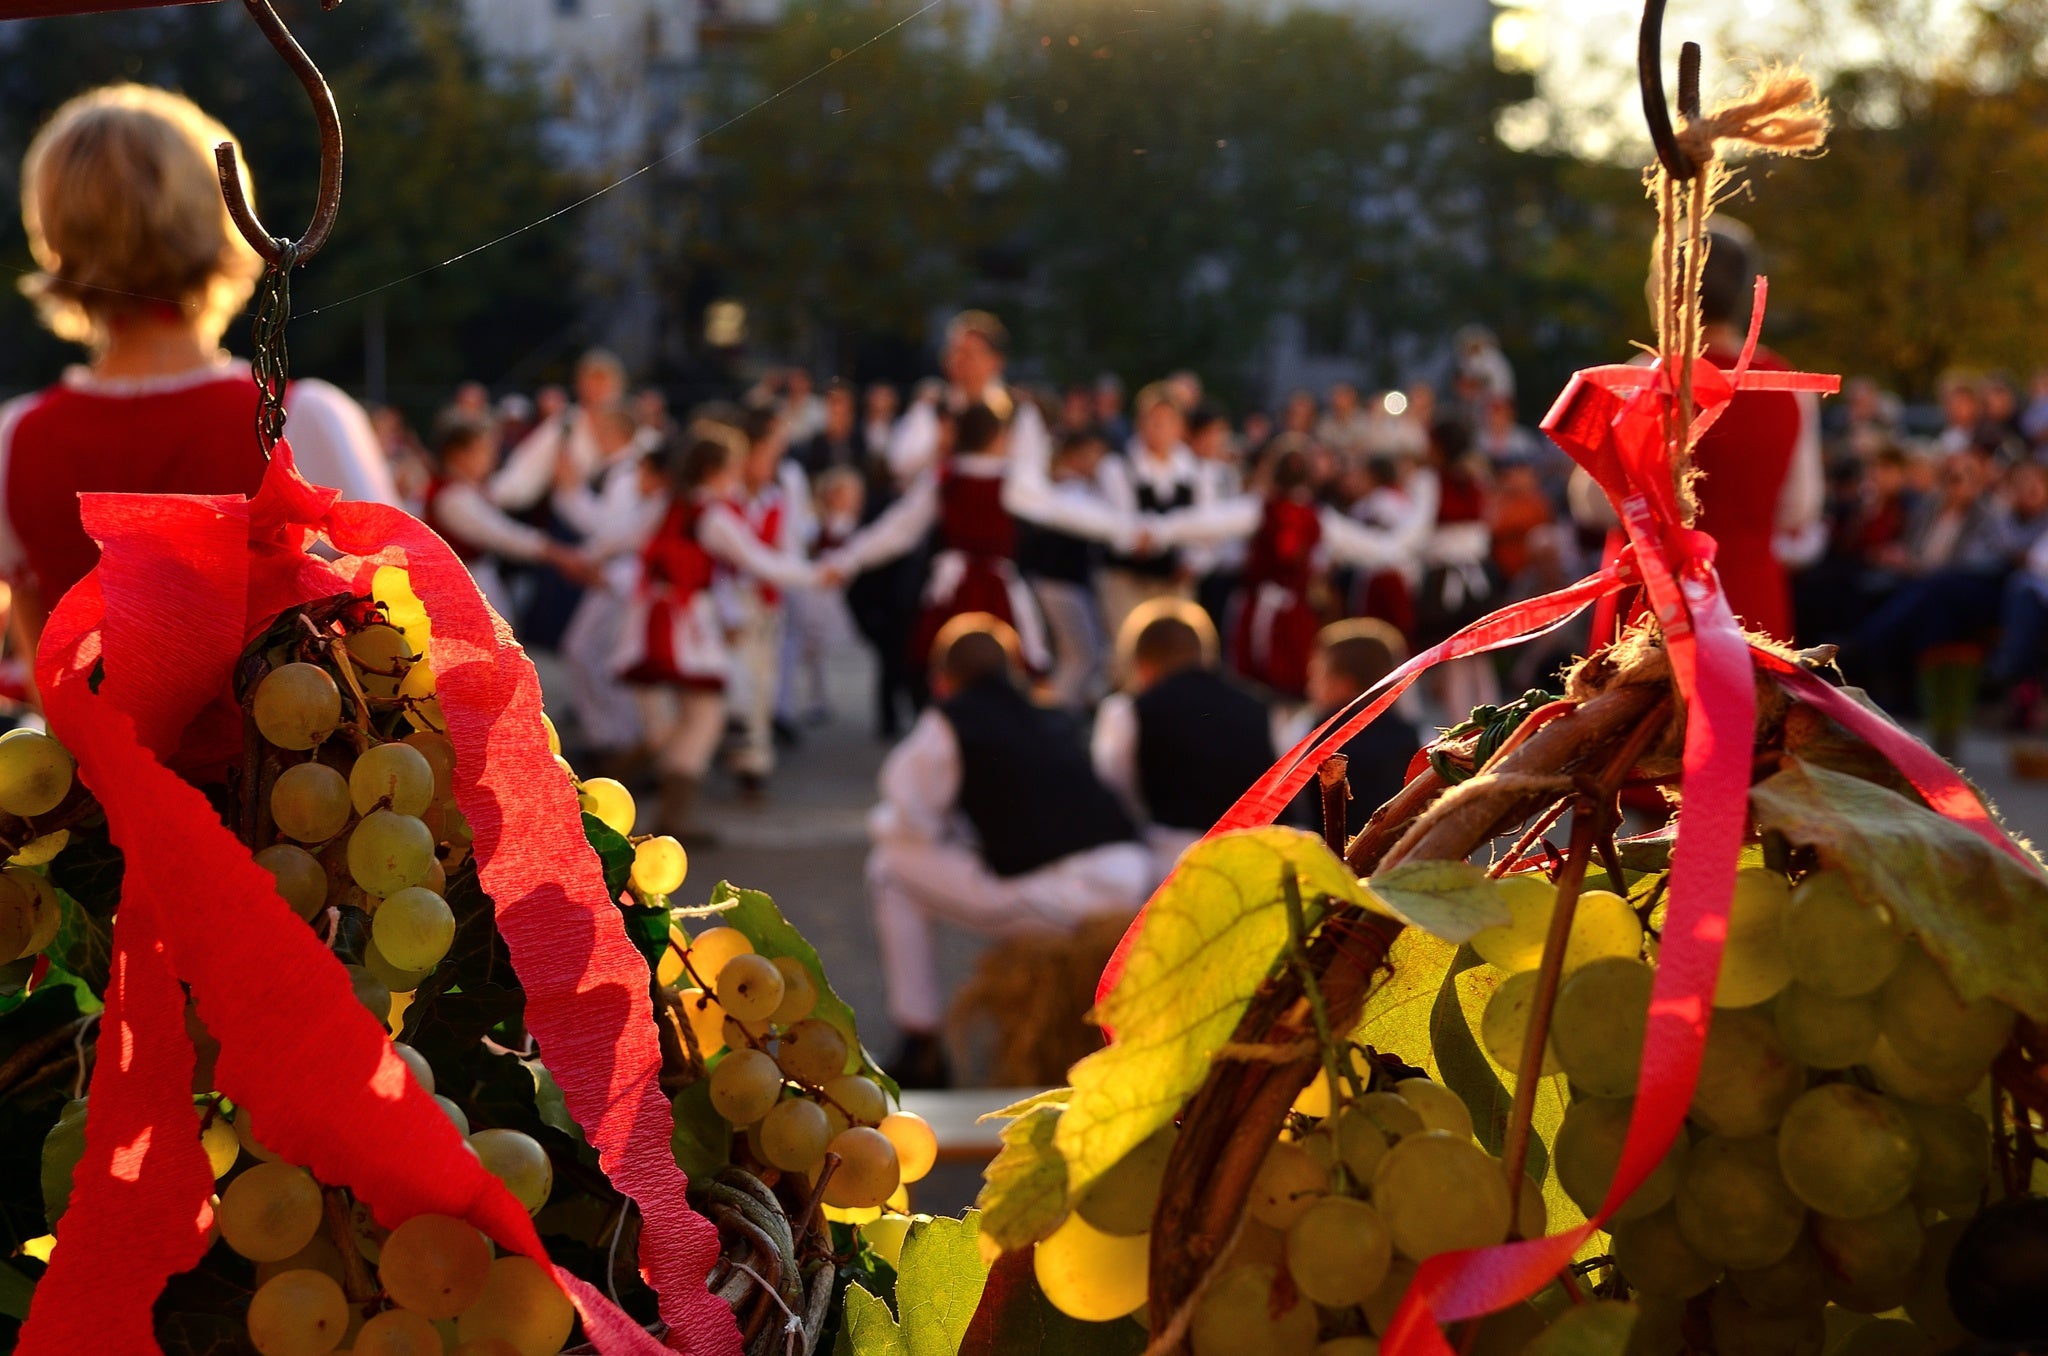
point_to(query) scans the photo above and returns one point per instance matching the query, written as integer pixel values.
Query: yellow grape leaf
(1397, 1012)
(1024, 1191)
(1211, 936)
(40, 851)
(1454, 900)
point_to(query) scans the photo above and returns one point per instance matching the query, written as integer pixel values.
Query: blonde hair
(122, 205)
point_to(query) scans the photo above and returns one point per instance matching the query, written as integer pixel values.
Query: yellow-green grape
(1753, 964)
(17, 920)
(1929, 1024)
(1380, 1305)
(388, 852)
(1439, 1107)
(1587, 1151)
(1287, 1183)
(711, 949)
(517, 1159)
(659, 866)
(420, 685)
(1390, 1112)
(1238, 1316)
(610, 801)
(1315, 1100)
(1362, 1142)
(398, 1332)
(799, 993)
(35, 773)
(217, 1139)
(745, 1086)
(1733, 1207)
(1928, 1305)
(1532, 1214)
(855, 1098)
(811, 1052)
(1505, 1024)
(1870, 1261)
(320, 1255)
(245, 1135)
(1121, 1201)
(868, 1172)
(1502, 1333)
(916, 1144)
(1955, 1157)
(387, 974)
(1601, 1328)
(439, 751)
(396, 777)
(1597, 1025)
(1834, 942)
(301, 880)
(416, 1064)
(521, 1305)
(296, 706)
(1438, 1193)
(310, 802)
(382, 655)
(1848, 1153)
(1338, 1251)
(298, 1313)
(434, 1265)
(1655, 1258)
(793, 1135)
(1090, 1275)
(1746, 1079)
(554, 739)
(1911, 1083)
(1348, 1346)
(454, 1113)
(1603, 925)
(706, 1020)
(1822, 1031)
(749, 988)
(885, 1235)
(1735, 1326)
(1796, 1281)
(413, 928)
(270, 1211)
(669, 970)
(1517, 945)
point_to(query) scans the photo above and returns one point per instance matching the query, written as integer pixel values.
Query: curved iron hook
(1650, 73)
(278, 251)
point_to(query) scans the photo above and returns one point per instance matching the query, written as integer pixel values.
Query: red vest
(764, 515)
(674, 558)
(972, 518)
(196, 440)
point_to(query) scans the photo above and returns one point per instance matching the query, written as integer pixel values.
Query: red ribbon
(316, 1071)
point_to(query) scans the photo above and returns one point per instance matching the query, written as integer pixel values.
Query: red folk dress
(1746, 456)
(975, 568)
(674, 635)
(1275, 630)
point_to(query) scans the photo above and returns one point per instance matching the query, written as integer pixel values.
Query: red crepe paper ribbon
(183, 583)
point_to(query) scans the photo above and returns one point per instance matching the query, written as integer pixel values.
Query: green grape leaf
(939, 1279)
(16, 1290)
(612, 850)
(1396, 1019)
(1050, 1097)
(757, 918)
(702, 1139)
(89, 870)
(62, 1149)
(867, 1328)
(1459, 1060)
(1453, 900)
(549, 1102)
(1016, 1319)
(1211, 936)
(1024, 1190)
(1981, 914)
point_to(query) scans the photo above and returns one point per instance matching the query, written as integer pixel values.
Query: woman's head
(122, 205)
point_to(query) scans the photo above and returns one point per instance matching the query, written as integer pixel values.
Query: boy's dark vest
(1202, 742)
(1026, 783)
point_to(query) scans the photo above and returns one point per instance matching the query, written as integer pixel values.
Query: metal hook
(1650, 73)
(278, 251)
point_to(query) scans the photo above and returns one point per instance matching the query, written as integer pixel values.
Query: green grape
(799, 993)
(1601, 1328)
(1736, 1327)
(1753, 965)
(1885, 1337)
(810, 1052)
(270, 1211)
(1122, 1200)
(1287, 1183)
(320, 1255)
(397, 1332)
(1597, 1026)
(1929, 1024)
(1517, 945)
(454, 1113)
(1871, 1261)
(1603, 925)
(382, 656)
(1955, 1157)
(1746, 1079)
(886, 1236)
(1338, 1251)
(610, 802)
(1795, 1281)
(395, 777)
(868, 1173)
(1391, 1112)
(793, 1135)
(1733, 1208)
(388, 852)
(1438, 1192)
(1821, 1031)
(517, 1159)
(1504, 1027)
(434, 1265)
(416, 1064)
(749, 988)
(1236, 1316)
(310, 802)
(659, 866)
(1911, 1083)
(387, 974)
(1090, 1275)
(413, 928)
(1655, 1258)
(1848, 1153)
(915, 1142)
(1506, 1331)
(1439, 1107)
(301, 880)
(856, 1100)
(35, 773)
(1348, 1346)
(1928, 1305)
(1380, 1305)
(745, 1086)
(521, 1305)
(1362, 1142)
(298, 1313)
(1532, 1213)
(706, 1020)
(712, 948)
(439, 751)
(1587, 1151)
(217, 1139)
(297, 706)
(1834, 942)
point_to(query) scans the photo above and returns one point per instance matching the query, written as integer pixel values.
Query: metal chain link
(272, 361)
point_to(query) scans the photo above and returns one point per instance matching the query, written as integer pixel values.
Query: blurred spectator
(1109, 409)
(650, 409)
(1351, 658)
(1961, 412)
(1345, 428)
(1077, 410)
(1298, 415)
(838, 442)
(1483, 373)
(802, 410)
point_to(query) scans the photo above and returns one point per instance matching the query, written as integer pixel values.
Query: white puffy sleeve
(334, 444)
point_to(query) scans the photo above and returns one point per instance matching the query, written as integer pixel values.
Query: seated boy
(1350, 658)
(990, 819)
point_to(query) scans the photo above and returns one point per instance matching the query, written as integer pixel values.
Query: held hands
(574, 565)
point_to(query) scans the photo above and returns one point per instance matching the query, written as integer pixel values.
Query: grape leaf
(702, 1139)
(1980, 913)
(612, 850)
(1016, 1319)
(1453, 900)
(1024, 1190)
(939, 1279)
(1210, 937)
(89, 870)
(1050, 1097)
(1397, 1012)
(16, 1290)
(867, 1328)
(62, 1149)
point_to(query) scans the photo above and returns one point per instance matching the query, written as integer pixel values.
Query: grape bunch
(36, 775)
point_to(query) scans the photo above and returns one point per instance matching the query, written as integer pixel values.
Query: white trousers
(818, 624)
(1077, 660)
(757, 656)
(913, 884)
(604, 706)
(684, 725)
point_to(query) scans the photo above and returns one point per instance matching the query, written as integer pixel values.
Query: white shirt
(615, 518)
(1113, 748)
(1343, 539)
(729, 537)
(920, 785)
(914, 446)
(529, 472)
(468, 514)
(1163, 475)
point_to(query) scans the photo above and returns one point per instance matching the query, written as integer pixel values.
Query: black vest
(1026, 783)
(1202, 742)
(1158, 564)
(1047, 553)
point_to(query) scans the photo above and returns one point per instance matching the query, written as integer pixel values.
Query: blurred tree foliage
(437, 161)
